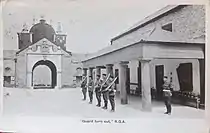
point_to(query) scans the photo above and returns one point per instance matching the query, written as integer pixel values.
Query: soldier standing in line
(90, 89)
(167, 95)
(84, 87)
(105, 93)
(97, 86)
(112, 91)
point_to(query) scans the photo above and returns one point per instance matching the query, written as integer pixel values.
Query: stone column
(90, 72)
(59, 85)
(85, 71)
(29, 78)
(109, 69)
(98, 70)
(146, 89)
(122, 81)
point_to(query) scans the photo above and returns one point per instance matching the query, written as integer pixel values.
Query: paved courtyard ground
(39, 107)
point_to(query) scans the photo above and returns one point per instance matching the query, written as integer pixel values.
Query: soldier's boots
(167, 113)
(99, 105)
(105, 106)
(112, 110)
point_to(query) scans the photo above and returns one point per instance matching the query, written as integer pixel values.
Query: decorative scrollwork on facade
(45, 48)
(54, 48)
(34, 48)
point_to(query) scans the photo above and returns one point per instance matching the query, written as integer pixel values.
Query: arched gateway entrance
(53, 69)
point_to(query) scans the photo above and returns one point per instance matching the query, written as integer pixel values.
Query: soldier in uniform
(97, 86)
(84, 87)
(112, 93)
(105, 93)
(167, 94)
(90, 89)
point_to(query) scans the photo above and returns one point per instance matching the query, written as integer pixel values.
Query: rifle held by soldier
(104, 82)
(110, 85)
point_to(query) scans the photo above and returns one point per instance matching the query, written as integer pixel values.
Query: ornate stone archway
(53, 69)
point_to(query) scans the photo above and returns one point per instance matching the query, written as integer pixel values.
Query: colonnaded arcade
(170, 42)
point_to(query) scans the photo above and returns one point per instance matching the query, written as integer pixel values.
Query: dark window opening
(7, 79)
(167, 27)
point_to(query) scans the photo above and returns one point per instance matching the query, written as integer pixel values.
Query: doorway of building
(159, 74)
(184, 72)
(53, 69)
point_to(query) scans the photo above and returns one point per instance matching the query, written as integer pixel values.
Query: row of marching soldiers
(104, 87)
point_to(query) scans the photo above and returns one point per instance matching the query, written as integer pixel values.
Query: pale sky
(89, 24)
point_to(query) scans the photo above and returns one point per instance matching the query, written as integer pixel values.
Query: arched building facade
(42, 46)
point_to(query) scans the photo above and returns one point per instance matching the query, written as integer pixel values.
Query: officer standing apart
(112, 93)
(90, 89)
(97, 90)
(167, 95)
(105, 92)
(84, 87)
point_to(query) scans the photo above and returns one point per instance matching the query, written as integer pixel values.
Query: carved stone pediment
(34, 48)
(54, 48)
(45, 48)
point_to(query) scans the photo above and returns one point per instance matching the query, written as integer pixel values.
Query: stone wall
(9, 66)
(9, 56)
(184, 23)
(69, 69)
(21, 70)
(170, 65)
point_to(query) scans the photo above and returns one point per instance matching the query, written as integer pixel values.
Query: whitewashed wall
(21, 70)
(170, 65)
(69, 70)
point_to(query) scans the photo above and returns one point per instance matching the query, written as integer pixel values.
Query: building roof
(48, 40)
(157, 35)
(162, 12)
(42, 30)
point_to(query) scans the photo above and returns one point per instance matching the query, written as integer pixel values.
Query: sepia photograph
(105, 62)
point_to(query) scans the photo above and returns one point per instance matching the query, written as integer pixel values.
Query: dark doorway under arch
(53, 69)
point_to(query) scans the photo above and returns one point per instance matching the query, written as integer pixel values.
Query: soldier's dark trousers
(98, 97)
(90, 95)
(105, 97)
(84, 91)
(168, 104)
(112, 102)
